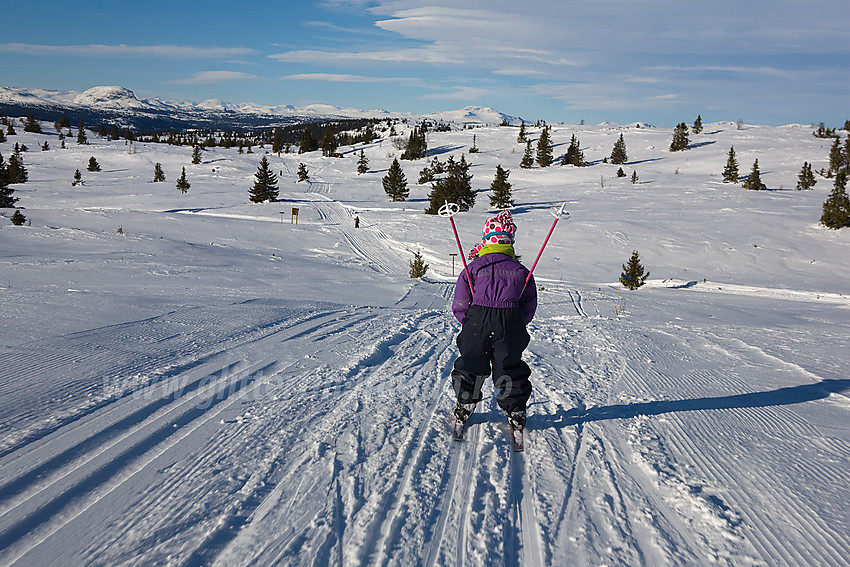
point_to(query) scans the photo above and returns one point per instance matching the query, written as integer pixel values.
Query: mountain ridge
(120, 105)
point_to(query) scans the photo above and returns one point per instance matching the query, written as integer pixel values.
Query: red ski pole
(557, 214)
(450, 210)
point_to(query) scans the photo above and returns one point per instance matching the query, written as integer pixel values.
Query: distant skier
(494, 320)
(356, 221)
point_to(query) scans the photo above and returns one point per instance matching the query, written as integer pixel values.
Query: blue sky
(657, 61)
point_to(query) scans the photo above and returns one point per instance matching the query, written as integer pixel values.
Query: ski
(458, 429)
(518, 439)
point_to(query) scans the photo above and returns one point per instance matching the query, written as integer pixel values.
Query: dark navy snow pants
(491, 342)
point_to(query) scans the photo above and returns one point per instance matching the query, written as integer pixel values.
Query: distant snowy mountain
(483, 115)
(116, 104)
(109, 97)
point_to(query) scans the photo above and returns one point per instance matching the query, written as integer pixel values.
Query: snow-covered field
(215, 385)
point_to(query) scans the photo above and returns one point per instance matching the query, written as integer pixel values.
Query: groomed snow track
(274, 432)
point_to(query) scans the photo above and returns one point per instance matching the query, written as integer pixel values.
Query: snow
(108, 97)
(218, 385)
(116, 98)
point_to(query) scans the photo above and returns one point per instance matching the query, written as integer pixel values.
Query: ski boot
(462, 413)
(516, 420)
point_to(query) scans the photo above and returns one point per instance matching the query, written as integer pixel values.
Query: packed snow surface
(192, 379)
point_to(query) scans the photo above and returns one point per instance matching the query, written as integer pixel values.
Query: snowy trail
(692, 482)
(321, 436)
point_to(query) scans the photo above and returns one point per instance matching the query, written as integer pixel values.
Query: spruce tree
(426, 175)
(82, 140)
(2, 137)
(621, 173)
(680, 138)
(847, 151)
(437, 166)
(618, 153)
(418, 267)
(183, 183)
(806, 179)
(32, 125)
(417, 146)
(362, 163)
(527, 161)
(730, 172)
(277, 142)
(308, 142)
(753, 182)
(395, 183)
(521, 139)
(328, 143)
(16, 172)
(634, 177)
(697, 127)
(93, 165)
(45, 146)
(303, 172)
(265, 185)
(836, 208)
(196, 155)
(456, 187)
(837, 158)
(474, 148)
(574, 155)
(544, 148)
(7, 200)
(633, 275)
(63, 122)
(501, 189)
(78, 179)
(158, 174)
(18, 218)
(823, 132)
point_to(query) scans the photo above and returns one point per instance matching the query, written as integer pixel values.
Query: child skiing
(494, 306)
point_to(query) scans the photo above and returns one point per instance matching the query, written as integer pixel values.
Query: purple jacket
(498, 281)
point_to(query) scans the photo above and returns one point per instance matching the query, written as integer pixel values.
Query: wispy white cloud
(458, 93)
(523, 72)
(336, 57)
(206, 77)
(344, 78)
(122, 50)
(342, 29)
(665, 97)
(732, 69)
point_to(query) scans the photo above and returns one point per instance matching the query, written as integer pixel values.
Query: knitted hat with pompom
(497, 230)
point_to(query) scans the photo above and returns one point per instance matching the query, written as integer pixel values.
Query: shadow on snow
(780, 397)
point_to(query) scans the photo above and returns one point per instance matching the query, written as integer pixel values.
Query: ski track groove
(217, 540)
(417, 442)
(152, 367)
(471, 457)
(116, 431)
(363, 241)
(380, 528)
(102, 481)
(449, 486)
